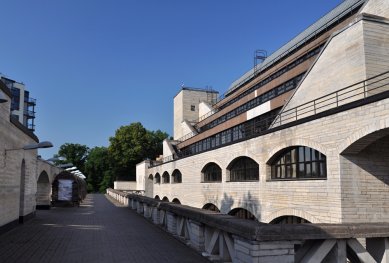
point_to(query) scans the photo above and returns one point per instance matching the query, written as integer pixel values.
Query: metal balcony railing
(29, 113)
(360, 90)
(30, 101)
(356, 92)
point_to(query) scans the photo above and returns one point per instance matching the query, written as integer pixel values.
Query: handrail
(358, 91)
(333, 99)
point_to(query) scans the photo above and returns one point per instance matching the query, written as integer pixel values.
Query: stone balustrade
(225, 238)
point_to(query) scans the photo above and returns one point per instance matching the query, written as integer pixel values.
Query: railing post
(296, 114)
(364, 89)
(314, 107)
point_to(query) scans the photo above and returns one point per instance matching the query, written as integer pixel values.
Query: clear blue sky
(95, 65)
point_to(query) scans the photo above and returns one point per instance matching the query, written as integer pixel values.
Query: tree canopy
(74, 153)
(97, 164)
(130, 145)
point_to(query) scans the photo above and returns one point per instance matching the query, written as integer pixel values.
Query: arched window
(165, 199)
(242, 213)
(243, 169)
(157, 197)
(289, 220)
(211, 207)
(299, 162)
(176, 201)
(151, 177)
(157, 178)
(211, 173)
(165, 178)
(176, 176)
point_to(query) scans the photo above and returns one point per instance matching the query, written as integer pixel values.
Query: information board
(65, 190)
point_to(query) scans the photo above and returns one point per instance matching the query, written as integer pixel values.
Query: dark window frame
(166, 178)
(243, 169)
(211, 173)
(176, 177)
(299, 163)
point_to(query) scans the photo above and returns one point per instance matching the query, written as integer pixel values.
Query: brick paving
(97, 231)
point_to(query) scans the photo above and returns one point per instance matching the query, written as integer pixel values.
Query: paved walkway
(97, 231)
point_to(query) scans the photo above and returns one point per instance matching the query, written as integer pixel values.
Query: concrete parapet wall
(226, 238)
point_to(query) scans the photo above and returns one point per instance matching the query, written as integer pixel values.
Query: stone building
(303, 136)
(25, 180)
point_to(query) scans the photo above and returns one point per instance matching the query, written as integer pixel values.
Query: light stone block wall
(45, 177)
(186, 128)
(376, 45)
(204, 108)
(125, 185)
(341, 63)
(10, 171)
(377, 7)
(178, 116)
(365, 180)
(141, 177)
(167, 148)
(315, 200)
(182, 109)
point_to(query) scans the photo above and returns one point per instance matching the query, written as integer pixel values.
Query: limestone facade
(354, 137)
(20, 170)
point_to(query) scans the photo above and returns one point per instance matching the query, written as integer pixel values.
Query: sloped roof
(327, 20)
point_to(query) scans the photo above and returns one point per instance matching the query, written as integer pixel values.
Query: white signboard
(65, 190)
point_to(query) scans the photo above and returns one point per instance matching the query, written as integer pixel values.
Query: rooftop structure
(22, 105)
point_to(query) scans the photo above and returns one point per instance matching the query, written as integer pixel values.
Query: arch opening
(242, 213)
(211, 173)
(165, 199)
(289, 219)
(176, 176)
(176, 201)
(243, 169)
(211, 207)
(165, 178)
(298, 162)
(157, 178)
(157, 197)
(43, 191)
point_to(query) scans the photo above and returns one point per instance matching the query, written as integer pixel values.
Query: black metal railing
(358, 91)
(30, 101)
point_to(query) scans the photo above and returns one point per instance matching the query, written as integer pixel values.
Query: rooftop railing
(358, 91)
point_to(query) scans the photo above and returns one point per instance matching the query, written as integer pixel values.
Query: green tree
(108, 179)
(96, 165)
(74, 153)
(131, 145)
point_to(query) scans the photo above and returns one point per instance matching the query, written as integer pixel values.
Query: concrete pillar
(171, 223)
(247, 251)
(196, 234)
(155, 215)
(146, 211)
(139, 208)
